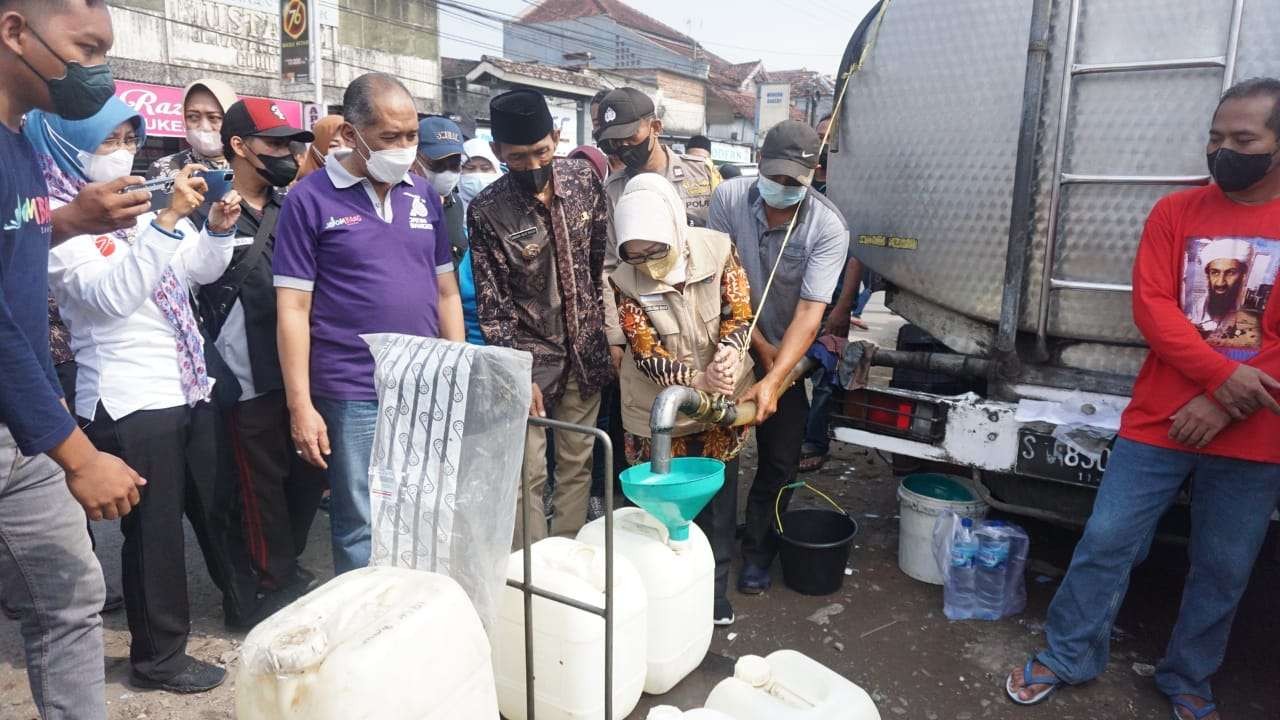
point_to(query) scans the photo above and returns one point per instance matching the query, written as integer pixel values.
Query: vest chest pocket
(662, 317)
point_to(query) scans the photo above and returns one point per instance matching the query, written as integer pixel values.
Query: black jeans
(719, 522)
(778, 443)
(175, 450)
(280, 491)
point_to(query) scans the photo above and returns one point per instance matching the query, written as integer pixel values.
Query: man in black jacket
(279, 493)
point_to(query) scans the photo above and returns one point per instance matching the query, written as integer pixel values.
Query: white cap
(753, 670)
(1227, 249)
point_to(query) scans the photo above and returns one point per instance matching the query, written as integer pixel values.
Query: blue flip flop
(1030, 678)
(1196, 713)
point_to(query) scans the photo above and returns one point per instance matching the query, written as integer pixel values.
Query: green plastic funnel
(677, 497)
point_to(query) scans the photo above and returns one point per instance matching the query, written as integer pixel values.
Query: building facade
(166, 44)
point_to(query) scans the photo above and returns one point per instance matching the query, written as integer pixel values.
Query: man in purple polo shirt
(360, 248)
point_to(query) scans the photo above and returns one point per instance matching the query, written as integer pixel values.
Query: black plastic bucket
(814, 549)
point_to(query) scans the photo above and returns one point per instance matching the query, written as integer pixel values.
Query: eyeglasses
(129, 142)
(630, 259)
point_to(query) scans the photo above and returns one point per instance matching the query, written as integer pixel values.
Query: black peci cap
(790, 149)
(621, 112)
(698, 142)
(520, 117)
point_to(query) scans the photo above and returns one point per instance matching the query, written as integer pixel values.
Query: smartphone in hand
(161, 189)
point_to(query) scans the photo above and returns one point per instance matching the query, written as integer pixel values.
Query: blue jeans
(816, 428)
(350, 425)
(1231, 506)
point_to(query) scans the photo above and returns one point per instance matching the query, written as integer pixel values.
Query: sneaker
(753, 579)
(723, 614)
(197, 678)
(302, 582)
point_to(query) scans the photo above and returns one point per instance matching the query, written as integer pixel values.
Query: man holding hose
(794, 242)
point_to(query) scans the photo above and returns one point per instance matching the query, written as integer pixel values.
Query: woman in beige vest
(685, 308)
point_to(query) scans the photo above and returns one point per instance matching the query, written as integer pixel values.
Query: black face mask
(279, 171)
(822, 159)
(82, 91)
(532, 181)
(635, 157)
(1235, 171)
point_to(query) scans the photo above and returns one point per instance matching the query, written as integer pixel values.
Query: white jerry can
(669, 712)
(789, 686)
(568, 643)
(376, 643)
(679, 578)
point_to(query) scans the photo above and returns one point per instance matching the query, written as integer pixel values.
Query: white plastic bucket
(921, 499)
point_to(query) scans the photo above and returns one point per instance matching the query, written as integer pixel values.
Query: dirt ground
(883, 630)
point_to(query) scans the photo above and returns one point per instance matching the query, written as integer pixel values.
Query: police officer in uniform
(628, 131)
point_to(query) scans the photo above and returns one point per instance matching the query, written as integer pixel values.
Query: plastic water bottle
(959, 601)
(993, 563)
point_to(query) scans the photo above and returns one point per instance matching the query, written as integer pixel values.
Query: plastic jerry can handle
(753, 670)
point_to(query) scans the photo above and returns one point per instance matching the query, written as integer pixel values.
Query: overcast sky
(786, 34)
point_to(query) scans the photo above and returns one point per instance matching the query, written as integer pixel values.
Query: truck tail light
(893, 414)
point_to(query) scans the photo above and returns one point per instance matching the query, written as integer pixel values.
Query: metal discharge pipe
(705, 408)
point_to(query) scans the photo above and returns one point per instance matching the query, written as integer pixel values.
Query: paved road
(889, 634)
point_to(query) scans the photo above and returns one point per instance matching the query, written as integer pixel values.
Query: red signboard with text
(161, 107)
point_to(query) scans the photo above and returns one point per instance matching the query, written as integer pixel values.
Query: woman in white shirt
(143, 391)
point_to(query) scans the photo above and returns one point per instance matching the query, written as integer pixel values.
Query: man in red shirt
(1204, 407)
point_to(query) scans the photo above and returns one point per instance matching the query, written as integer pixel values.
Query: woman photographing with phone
(142, 389)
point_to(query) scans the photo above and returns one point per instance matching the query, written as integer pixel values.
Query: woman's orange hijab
(325, 128)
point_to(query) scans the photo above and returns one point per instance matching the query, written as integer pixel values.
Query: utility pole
(317, 56)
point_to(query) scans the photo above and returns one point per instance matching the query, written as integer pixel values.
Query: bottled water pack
(982, 566)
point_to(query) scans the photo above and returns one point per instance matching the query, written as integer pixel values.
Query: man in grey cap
(756, 213)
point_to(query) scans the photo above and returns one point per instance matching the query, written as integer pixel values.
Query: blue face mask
(777, 195)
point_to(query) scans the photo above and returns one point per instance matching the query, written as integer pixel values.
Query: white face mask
(340, 153)
(390, 165)
(443, 182)
(104, 168)
(470, 184)
(205, 142)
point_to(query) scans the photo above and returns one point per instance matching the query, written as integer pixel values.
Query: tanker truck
(995, 161)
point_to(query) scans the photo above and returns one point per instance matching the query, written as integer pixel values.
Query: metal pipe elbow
(662, 420)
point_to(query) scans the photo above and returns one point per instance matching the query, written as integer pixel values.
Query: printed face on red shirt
(1227, 283)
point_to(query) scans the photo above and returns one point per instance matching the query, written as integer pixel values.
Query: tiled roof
(549, 73)
(738, 73)
(743, 104)
(456, 67)
(556, 10)
(627, 16)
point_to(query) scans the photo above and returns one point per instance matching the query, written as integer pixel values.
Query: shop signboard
(161, 107)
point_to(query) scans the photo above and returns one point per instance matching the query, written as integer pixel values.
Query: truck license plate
(1041, 455)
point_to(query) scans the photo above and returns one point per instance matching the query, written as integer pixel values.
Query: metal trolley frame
(528, 588)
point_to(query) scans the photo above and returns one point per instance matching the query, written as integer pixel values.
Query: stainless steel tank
(929, 139)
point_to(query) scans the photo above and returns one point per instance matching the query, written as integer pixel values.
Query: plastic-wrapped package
(999, 585)
(446, 459)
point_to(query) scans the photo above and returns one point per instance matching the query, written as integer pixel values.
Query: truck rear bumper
(974, 432)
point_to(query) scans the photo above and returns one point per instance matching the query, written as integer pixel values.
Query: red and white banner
(161, 107)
